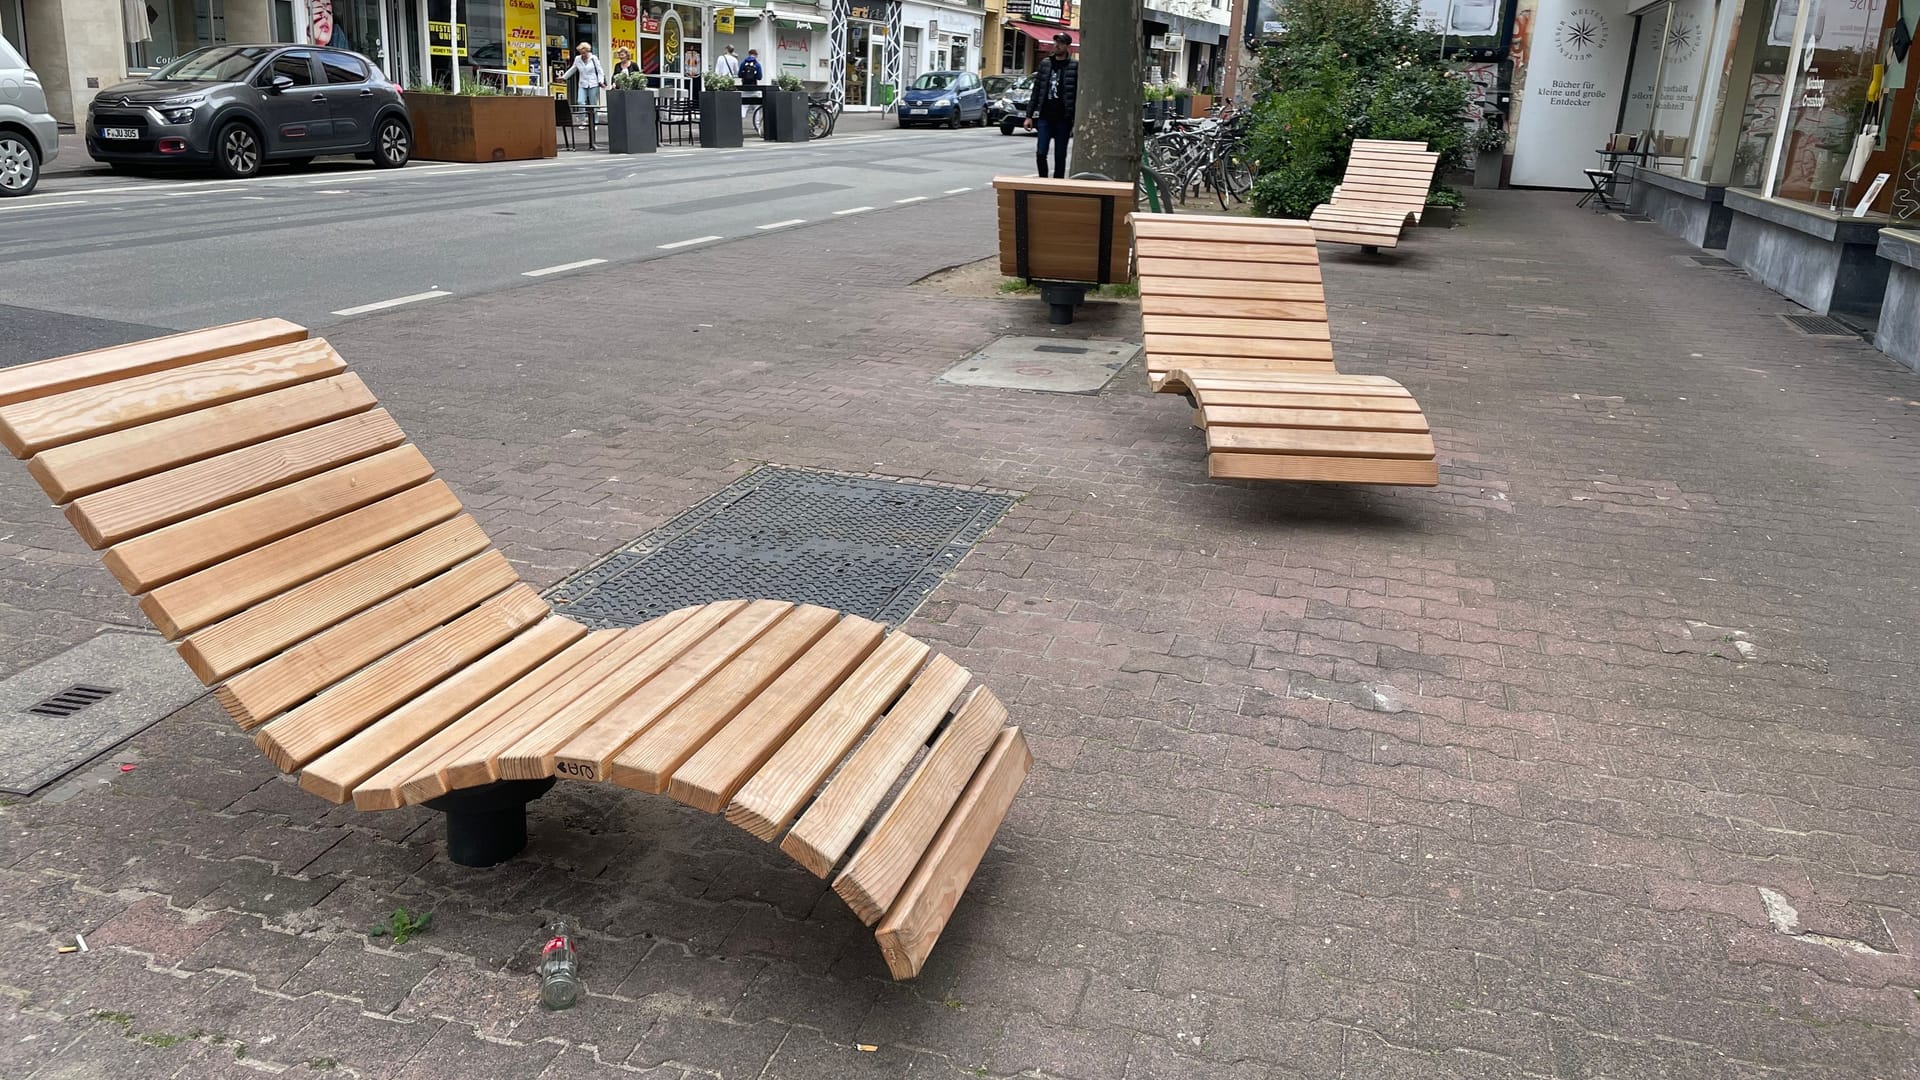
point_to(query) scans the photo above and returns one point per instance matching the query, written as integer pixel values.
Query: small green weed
(163, 1041)
(1123, 290)
(1015, 285)
(400, 926)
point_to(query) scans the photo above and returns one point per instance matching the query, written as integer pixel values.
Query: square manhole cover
(868, 546)
(1055, 365)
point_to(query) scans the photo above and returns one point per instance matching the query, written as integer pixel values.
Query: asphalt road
(92, 258)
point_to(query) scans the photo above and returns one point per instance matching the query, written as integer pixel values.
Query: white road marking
(432, 294)
(562, 268)
(333, 191)
(783, 224)
(852, 210)
(955, 190)
(912, 198)
(689, 243)
(44, 205)
(253, 198)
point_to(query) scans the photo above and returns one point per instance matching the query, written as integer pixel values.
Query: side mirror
(279, 84)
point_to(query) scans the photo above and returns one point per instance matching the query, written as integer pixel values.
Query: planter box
(1201, 103)
(1438, 217)
(1486, 169)
(784, 118)
(631, 127)
(1182, 105)
(455, 127)
(720, 119)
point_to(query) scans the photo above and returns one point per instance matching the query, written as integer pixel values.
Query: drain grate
(73, 699)
(869, 546)
(1713, 261)
(1819, 325)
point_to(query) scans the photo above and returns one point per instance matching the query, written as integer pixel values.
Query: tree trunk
(1106, 125)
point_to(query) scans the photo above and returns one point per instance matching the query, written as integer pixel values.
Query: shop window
(161, 31)
(1664, 76)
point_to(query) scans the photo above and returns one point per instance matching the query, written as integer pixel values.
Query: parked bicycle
(1207, 155)
(822, 114)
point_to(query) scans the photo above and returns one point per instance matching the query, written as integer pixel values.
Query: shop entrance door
(880, 92)
(859, 54)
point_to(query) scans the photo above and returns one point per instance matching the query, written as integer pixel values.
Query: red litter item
(128, 767)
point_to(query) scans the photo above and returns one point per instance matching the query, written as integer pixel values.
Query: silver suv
(29, 137)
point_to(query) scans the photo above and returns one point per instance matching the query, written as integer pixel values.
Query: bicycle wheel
(754, 118)
(819, 122)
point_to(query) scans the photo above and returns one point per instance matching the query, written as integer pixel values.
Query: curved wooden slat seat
(1369, 227)
(1385, 188)
(1261, 377)
(280, 529)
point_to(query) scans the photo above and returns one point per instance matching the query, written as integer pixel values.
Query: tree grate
(1819, 325)
(868, 546)
(73, 699)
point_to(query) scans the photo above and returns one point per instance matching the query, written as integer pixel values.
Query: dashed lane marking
(431, 294)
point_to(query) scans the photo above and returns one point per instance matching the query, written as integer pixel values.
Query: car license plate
(910, 112)
(119, 133)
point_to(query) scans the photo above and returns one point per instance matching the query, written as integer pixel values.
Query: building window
(161, 31)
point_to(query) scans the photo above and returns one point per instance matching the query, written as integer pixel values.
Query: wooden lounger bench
(1385, 189)
(281, 530)
(1065, 236)
(1235, 319)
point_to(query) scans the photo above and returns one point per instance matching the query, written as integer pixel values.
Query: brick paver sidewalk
(1481, 782)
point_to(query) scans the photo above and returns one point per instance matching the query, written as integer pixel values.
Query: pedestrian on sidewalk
(728, 64)
(623, 62)
(1056, 89)
(750, 74)
(586, 95)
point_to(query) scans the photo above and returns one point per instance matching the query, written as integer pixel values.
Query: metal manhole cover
(1037, 363)
(868, 546)
(1714, 261)
(1819, 325)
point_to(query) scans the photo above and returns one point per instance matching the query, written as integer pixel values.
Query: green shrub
(1346, 70)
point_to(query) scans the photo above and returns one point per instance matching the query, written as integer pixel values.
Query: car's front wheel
(392, 143)
(1007, 126)
(236, 150)
(19, 165)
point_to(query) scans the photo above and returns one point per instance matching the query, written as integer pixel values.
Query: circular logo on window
(1683, 39)
(1581, 34)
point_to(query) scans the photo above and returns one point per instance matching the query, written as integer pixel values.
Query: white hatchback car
(29, 136)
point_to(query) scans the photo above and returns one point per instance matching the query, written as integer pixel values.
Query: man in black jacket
(1050, 110)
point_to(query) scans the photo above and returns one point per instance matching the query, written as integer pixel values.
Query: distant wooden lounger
(1236, 319)
(1385, 188)
(279, 527)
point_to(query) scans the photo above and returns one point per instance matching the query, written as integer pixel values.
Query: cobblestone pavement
(1594, 762)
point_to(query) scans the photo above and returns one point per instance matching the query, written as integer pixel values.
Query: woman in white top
(587, 66)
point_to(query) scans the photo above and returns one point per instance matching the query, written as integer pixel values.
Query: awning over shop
(793, 20)
(1043, 33)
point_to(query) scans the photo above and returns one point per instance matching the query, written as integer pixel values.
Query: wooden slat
(1157, 379)
(1181, 324)
(1159, 345)
(218, 591)
(162, 555)
(1233, 307)
(419, 774)
(881, 865)
(1333, 419)
(477, 760)
(258, 693)
(824, 833)
(28, 427)
(768, 803)
(26, 382)
(649, 762)
(1321, 443)
(712, 775)
(1110, 188)
(1265, 232)
(532, 756)
(1286, 382)
(105, 460)
(589, 755)
(107, 517)
(1158, 268)
(1226, 252)
(1329, 470)
(1308, 291)
(272, 625)
(1304, 402)
(335, 774)
(915, 921)
(299, 736)
(1360, 239)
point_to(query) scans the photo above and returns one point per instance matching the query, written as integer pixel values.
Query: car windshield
(936, 80)
(218, 63)
(997, 84)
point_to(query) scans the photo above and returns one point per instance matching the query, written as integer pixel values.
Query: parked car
(29, 136)
(1011, 110)
(949, 97)
(240, 106)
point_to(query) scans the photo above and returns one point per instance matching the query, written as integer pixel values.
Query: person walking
(1056, 90)
(728, 64)
(750, 74)
(586, 96)
(623, 62)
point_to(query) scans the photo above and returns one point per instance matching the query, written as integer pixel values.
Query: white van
(29, 137)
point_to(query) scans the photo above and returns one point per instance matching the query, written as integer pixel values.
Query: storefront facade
(1185, 42)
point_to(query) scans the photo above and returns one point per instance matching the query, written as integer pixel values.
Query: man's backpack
(750, 70)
